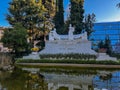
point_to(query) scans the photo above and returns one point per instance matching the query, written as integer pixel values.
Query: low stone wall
(5, 60)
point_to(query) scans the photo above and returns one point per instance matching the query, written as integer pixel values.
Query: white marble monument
(53, 35)
(68, 44)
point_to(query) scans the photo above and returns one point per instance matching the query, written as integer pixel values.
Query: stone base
(104, 56)
(68, 47)
(33, 55)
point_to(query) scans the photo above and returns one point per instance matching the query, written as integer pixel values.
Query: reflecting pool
(60, 78)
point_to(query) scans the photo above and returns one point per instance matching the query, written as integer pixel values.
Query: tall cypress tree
(76, 15)
(59, 17)
(61, 12)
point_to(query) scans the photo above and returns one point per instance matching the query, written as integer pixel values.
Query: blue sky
(105, 10)
(3, 11)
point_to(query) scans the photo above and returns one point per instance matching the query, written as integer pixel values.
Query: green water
(42, 78)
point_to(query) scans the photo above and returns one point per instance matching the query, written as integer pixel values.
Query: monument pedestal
(104, 56)
(68, 47)
(33, 55)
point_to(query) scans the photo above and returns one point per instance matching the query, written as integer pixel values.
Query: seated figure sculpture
(51, 36)
(54, 36)
(84, 35)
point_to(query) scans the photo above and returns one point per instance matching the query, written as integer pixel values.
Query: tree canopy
(106, 44)
(34, 15)
(15, 38)
(27, 12)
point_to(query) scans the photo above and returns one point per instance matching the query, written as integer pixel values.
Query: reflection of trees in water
(108, 80)
(105, 76)
(23, 80)
(63, 88)
(36, 81)
(77, 72)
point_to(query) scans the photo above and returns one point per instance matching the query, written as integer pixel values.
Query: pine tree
(101, 45)
(108, 45)
(76, 15)
(89, 23)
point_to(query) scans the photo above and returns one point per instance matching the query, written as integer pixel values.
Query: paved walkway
(72, 65)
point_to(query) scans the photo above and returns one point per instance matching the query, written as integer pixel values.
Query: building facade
(104, 30)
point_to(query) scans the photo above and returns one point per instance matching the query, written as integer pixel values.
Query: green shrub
(69, 61)
(68, 56)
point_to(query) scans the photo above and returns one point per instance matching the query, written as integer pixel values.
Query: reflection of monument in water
(71, 82)
(66, 44)
(80, 79)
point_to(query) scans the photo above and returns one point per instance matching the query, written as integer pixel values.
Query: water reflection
(111, 82)
(60, 79)
(22, 80)
(72, 82)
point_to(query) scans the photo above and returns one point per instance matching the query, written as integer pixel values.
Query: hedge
(68, 56)
(106, 62)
